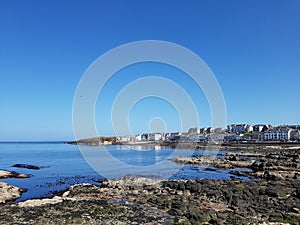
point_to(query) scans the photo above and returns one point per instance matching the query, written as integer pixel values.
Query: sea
(62, 165)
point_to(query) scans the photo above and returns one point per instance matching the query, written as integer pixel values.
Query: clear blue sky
(253, 48)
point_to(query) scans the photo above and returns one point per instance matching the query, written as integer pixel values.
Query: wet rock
(40, 202)
(137, 200)
(10, 174)
(256, 166)
(210, 169)
(26, 166)
(9, 193)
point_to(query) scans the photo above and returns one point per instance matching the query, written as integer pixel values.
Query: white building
(279, 134)
(239, 128)
(154, 137)
(125, 139)
(138, 137)
(172, 136)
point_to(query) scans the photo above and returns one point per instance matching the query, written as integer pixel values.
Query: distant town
(234, 133)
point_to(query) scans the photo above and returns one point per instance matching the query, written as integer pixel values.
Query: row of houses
(234, 132)
(150, 137)
(246, 132)
(232, 128)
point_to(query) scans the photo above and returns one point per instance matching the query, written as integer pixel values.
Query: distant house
(194, 130)
(260, 128)
(294, 127)
(144, 137)
(138, 137)
(154, 137)
(239, 128)
(175, 136)
(125, 139)
(206, 130)
(278, 134)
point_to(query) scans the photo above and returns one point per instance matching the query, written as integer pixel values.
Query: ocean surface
(63, 165)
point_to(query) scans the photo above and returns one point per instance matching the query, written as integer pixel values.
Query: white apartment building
(272, 135)
(154, 137)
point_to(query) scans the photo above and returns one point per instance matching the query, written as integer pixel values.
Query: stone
(39, 202)
(26, 166)
(9, 192)
(8, 174)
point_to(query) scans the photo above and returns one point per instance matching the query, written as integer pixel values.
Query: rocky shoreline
(9, 193)
(264, 145)
(272, 197)
(269, 165)
(134, 200)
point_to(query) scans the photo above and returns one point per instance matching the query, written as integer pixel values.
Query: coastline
(272, 195)
(202, 145)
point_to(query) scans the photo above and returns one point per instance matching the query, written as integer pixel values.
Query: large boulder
(9, 193)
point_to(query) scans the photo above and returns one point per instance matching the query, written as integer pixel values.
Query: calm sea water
(63, 165)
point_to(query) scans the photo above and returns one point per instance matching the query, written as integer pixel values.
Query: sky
(252, 47)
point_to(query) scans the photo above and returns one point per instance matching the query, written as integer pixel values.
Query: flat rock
(9, 192)
(26, 166)
(40, 202)
(9, 174)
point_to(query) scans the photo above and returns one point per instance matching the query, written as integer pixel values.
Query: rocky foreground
(273, 197)
(144, 201)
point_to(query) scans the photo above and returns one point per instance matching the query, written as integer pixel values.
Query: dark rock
(233, 158)
(26, 166)
(210, 169)
(272, 192)
(257, 166)
(298, 192)
(269, 176)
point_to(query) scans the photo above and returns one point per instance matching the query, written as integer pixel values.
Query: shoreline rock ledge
(9, 174)
(9, 192)
(139, 200)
